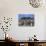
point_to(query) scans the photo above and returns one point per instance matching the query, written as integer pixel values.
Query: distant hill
(24, 18)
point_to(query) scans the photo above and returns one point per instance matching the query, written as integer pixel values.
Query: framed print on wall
(26, 19)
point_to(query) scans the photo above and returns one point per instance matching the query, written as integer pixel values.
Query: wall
(11, 8)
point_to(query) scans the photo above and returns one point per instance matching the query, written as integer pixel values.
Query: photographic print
(26, 20)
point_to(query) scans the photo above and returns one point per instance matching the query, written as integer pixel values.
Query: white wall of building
(11, 8)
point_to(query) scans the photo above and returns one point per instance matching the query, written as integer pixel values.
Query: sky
(25, 15)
